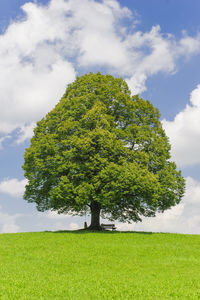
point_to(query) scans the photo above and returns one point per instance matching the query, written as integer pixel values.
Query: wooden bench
(108, 226)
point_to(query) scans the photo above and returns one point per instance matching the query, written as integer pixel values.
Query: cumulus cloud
(25, 132)
(51, 221)
(73, 226)
(183, 218)
(166, 222)
(8, 222)
(43, 52)
(10, 227)
(188, 45)
(161, 55)
(13, 187)
(34, 72)
(184, 132)
(192, 195)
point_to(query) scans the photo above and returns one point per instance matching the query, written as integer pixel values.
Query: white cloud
(58, 226)
(8, 222)
(189, 45)
(10, 227)
(50, 220)
(41, 54)
(62, 221)
(73, 226)
(163, 222)
(162, 52)
(26, 132)
(184, 132)
(192, 195)
(34, 72)
(183, 218)
(13, 187)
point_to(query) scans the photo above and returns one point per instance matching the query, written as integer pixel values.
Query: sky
(153, 44)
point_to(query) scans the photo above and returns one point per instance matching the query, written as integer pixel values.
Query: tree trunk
(95, 216)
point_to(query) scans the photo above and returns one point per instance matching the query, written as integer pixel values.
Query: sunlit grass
(81, 265)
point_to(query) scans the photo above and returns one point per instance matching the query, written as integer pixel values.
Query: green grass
(81, 265)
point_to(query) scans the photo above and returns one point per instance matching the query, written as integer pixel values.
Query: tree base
(96, 228)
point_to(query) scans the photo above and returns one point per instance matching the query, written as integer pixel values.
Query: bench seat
(108, 226)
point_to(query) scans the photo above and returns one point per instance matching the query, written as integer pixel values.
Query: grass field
(67, 265)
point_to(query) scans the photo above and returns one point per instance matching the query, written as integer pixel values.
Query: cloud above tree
(41, 53)
(184, 132)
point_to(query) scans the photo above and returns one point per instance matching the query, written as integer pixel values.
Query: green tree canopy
(103, 150)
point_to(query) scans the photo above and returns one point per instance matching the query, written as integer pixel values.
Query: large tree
(104, 151)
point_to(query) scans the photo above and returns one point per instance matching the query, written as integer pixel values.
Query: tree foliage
(102, 149)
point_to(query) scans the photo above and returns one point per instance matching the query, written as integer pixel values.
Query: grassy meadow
(109, 265)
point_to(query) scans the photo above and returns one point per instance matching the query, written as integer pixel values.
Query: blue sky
(153, 44)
